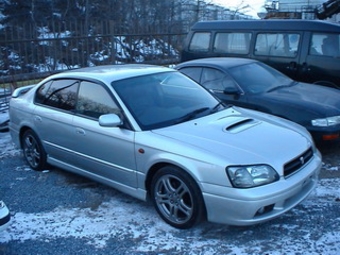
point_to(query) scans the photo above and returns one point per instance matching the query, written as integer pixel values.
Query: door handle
(80, 131)
(292, 66)
(305, 68)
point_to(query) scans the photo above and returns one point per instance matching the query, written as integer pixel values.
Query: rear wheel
(177, 198)
(34, 152)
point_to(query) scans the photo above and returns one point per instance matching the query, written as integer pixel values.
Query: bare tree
(240, 7)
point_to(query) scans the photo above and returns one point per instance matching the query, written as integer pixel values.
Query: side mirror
(231, 91)
(110, 120)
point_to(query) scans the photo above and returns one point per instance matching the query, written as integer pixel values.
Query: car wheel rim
(31, 150)
(174, 199)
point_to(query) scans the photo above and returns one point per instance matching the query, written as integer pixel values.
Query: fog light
(264, 209)
(260, 211)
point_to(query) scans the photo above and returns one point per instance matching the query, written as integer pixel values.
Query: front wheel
(176, 197)
(34, 152)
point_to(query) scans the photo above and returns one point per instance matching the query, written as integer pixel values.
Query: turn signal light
(330, 137)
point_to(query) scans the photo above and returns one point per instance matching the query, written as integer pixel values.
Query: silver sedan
(151, 132)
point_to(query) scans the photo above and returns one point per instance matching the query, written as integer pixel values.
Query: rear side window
(200, 42)
(61, 94)
(325, 44)
(234, 43)
(277, 44)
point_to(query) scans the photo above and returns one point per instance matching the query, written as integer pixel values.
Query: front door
(103, 151)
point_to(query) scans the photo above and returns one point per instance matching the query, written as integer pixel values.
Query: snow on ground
(6, 145)
(117, 219)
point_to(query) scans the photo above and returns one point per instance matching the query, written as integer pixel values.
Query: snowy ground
(311, 228)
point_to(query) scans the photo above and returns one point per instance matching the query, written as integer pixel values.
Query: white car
(4, 216)
(5, 95)
(152, 132)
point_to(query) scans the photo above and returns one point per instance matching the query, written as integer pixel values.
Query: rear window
(200, 42)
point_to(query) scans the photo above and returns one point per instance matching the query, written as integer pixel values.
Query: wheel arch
(23, 129)
(157, 166)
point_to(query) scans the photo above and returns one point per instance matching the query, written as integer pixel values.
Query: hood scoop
(240, 124)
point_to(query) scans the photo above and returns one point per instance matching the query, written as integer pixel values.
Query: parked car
(152, 132)
(4, 216)
(4, 120)
(255, 85)
(5, 95)
(304, 50)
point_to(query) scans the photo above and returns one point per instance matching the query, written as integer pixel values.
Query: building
(199, 10)
(302, 9)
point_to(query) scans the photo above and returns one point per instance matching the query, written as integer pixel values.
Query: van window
(200, 41)
(325, 44)
(237, 43)
(277, 44)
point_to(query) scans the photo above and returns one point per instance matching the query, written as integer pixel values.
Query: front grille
(298, 162)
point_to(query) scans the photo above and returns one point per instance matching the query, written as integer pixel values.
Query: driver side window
(94, 100)
(214, 79)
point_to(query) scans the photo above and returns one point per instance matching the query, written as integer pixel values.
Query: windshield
(258, 78)
(163, 99)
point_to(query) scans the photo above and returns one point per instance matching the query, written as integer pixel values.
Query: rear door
(55, 104)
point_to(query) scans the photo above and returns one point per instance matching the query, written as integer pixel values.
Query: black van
(305, 50)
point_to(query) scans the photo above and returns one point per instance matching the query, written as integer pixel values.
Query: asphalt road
(55, 212)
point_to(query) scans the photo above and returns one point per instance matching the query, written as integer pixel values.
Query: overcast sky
(255, 5)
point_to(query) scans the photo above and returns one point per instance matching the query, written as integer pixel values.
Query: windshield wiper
(215, 108)
(278, 87)
(191, 115)
(282, 86)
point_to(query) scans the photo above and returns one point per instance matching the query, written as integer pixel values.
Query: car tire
(34, 152)
(177, 197)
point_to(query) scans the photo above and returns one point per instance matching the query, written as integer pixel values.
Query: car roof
(110, 73)
(223, 62)
(267, 25)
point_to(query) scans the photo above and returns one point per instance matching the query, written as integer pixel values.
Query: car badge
(302, 160)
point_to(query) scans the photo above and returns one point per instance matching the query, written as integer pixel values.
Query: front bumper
(325, 134)
(4, 216)
(243, 207)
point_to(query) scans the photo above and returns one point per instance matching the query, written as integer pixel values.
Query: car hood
(315, 96)
(241, 139)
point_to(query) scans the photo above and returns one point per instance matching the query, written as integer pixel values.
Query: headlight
(330, 121)
(251, 176)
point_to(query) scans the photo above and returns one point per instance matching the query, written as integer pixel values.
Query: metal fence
(30, 53)
(27, 61)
